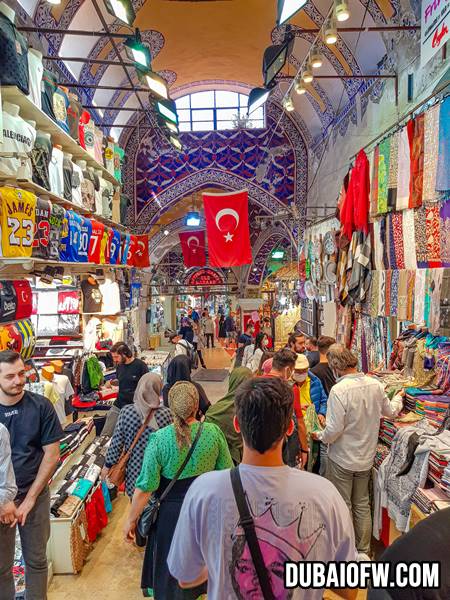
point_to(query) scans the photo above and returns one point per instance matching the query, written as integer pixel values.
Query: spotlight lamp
(122, 10)
(299, 88)
(341, 11)
(307, 75)
(287, 9)
(274, 59)
(138, 52)
(167, 109)
(331, 34)
(54, 2)
(156, 84)
(316, 60)
(288, 104)
(257, 98)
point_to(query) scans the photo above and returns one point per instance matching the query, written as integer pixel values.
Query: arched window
(215, 110)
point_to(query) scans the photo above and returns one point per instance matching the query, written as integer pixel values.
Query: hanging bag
(248, 525)
(150, 514)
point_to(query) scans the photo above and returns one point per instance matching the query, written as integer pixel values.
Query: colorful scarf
(419, 296)
(374, 293)
(430, 153)
(393, 172)
(403, 173)
(377, 246)
(384, 150)
(445, 233)
(392, 241)
(410, 295)
(388, 293)
(417, 130)
(435, 300)
(382, 294)
(443, 171)
(394, 292)
(374, 189)
(433, 233)
(420, 227)
(402, 292)
(426, 309)
(397, 227)
(409, 239)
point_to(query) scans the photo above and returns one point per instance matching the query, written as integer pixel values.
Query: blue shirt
(85, 236)
(115, 247)
(124, 248)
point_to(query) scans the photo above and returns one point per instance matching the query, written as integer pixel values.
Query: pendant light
(331, 33)
(307, 74)
(341, 11)
(288, 104)
(299, 88)
(316, 60)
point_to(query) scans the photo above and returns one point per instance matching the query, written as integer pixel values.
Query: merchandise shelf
(31, 112)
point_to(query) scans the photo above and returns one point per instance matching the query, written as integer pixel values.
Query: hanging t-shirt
(109, 157)
(41, 242)
(111, 297)
(56, 172)
(67, 178)
(107, 189)
(60, 104)
(49, 86)
(124, 248)
(32, 424)
(75, 223)
(85, 236)
(69, 324)
(24, 297)
(105, 246)
(64, 238)
(118, 160)
(65, 390)
(92, 297)
(14, 53)
(88, 191)
(40, 159)
(35, 73)
(95, 241)
(57, 215)
(17, 221)
(8, 302)
(74, 111)
(98, 194)
(98, 145)
(18, 138)
(115, 247)
(89, 134)
(77, 182)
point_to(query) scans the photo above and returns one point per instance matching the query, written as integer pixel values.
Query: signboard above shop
(435, 28)
(205, 277)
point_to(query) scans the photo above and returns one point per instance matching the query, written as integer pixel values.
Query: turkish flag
(193, 247)
(226, 218)
(131, 250)
(141, 252)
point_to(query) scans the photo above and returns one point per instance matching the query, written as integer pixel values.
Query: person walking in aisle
(322, 369)
(164, 455)
(198, 344)
(222, 413)
(186, 330)
(230, 329)
(8, 486)
(253, 353)
(355, 406)
(222, 334)
(129, 370)
(35, 432)
(146, 408)
(179, 369)
(209, 329)
(181, 347)
(312, 352)
(296, 515)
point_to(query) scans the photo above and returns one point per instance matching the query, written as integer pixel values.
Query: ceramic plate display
(310, 290)
(329, 243)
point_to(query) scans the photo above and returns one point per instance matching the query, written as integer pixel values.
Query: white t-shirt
(111, 297)
(56, 172)
(35, 73)
(91, 334)
(77, 182)
(298, 516)
(63, 386)
(18, 138)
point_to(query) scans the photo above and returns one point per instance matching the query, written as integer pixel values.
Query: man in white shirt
(355, 406)
(182, 347)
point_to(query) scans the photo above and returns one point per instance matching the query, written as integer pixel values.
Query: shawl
(433, 233)
(445, 233)
(419, 296)
(147, 395)
(430, 154)
(383, 175)
(374, 188)
(416, 129)
(409, 239)
(443, 172)
(393, 172)
(403, 170)
(402, 291)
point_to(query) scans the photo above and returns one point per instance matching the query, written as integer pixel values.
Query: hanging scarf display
(409, 239)
(388, 292)
(384, 150)
(416, 129)
(361, 192)
(393, 172)
(434, 317)
(392, 242)
(394, 292)
(375, 293)
(382, 294)
(445, 233)
(419, 296)
(420, 228)
(411, 280)
(377, 246)
(430, 153)
(402, 291)
(433, 225)
(397, 227)
(443, 171)
(403, 170)
(426, 309)
(374, 183)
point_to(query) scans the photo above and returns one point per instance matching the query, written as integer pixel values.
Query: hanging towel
(443, 169)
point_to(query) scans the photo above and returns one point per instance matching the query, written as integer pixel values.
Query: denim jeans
(34, 536)
(354, 488)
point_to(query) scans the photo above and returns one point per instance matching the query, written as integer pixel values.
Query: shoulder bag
(150, 514)
(117, 472)
(248, 525)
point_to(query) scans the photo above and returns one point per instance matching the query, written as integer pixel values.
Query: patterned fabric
(416, 181)
(377, 246)
(374, 179)
(384, 235)
(392, 242)
(394, 292)
(409, 239)
(411, 280)
(420, 225)
(433, 234)
(397, 227)
(427, 297)
(382, 294)
(430, 153)
(403, 170)
(375, 293)
(371, 156)
(402, 292)
(445, 233)
(419, 296)
(443, 171)
(388, 292)
(434, 318)
(393, 172)
(383, 174)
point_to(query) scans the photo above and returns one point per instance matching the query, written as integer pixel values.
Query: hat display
(301, 363)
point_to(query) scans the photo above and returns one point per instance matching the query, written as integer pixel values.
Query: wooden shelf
(26, 184)
(31, 112)
(19, 261)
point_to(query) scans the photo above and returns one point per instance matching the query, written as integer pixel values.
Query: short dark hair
(324, 342)
(264, 408)
(9, 357)
(293, 336)
(122, 349)
(284, 358)
(313, 340)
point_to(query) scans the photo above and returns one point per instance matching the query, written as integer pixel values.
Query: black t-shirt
(313, 357)
(128, 377)
(92, 297)
(14, 53)
(428, 541)
(32, 423)
(325, 374)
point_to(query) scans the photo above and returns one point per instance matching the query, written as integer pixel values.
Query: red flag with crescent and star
(226, 218)
(193, 247)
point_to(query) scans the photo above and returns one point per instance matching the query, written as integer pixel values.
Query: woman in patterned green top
(165, 452)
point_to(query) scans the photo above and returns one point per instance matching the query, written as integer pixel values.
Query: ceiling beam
(94, 61)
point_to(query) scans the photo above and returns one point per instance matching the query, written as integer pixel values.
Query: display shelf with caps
(30, 111)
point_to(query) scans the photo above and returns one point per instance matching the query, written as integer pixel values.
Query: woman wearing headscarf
(146, 405)
(222, 413)
(179, 369)
(165, 453)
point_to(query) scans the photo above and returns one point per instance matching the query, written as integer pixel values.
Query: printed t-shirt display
(115, 247)
(128, 377)
(85, 236)
(24, 297)
(74, 111)
(32, 423)
(67, 178)
(92, 297)
(111, 297)
(88, 190)
(56, 172)
(56, 224)
(48, 89)
(40, 159)
(17, 221)
(95, 241)
(60, 104)
(35, 72)
(77, 183)
(119, 153)
(75, 223)
(18, 138)
(14, 53)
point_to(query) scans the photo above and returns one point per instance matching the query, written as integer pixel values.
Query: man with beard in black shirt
(322, 369)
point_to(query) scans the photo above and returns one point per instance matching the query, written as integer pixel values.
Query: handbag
(117, 472)
(248, 525)
(150, 513)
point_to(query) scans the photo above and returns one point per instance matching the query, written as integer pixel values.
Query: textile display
(443, 172)
(416, 136)
(383, 175)
(397, 229)
(403, 174)
(409, 239)
(433, 234)
(420, 228)
(445, 233)
(430, 154)
(374, 183)
(393, 172)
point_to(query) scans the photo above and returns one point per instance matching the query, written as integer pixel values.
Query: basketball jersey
(26, 331)
(104, 251)
(64, 238)
(8, 302)
(41, 242)
(124, 247)
(75, 222)
(85, 236)
(57, 215)
(95, 241)
(131, 250)
(17, 221)
(24, 296)
(115, 247)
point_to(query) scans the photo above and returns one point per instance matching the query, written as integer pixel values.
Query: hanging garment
(377, 246)
(14, 53)
(35, 73)
(383, 174)
(384, 235)
(411, 281)
(397, 228)
(403, 173)
(420, 228)
(393, 172)
(445, 233)
(434, 318)
(427, 299)
(382, 294)
(402, 291)
(409, 239)
(392, 242)
(433, 233)
(40, 159)
(417, 130)
(388, 285)
(361, 192)
(419, 296)
(374, 187)
(430, 153)
(443, 171)
(394, 292)
(346, 210)
(374, 293)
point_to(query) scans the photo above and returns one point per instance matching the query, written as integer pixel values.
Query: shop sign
(435, 28)
(205, 277)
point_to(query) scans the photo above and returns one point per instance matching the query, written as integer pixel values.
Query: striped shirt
(8, 487)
